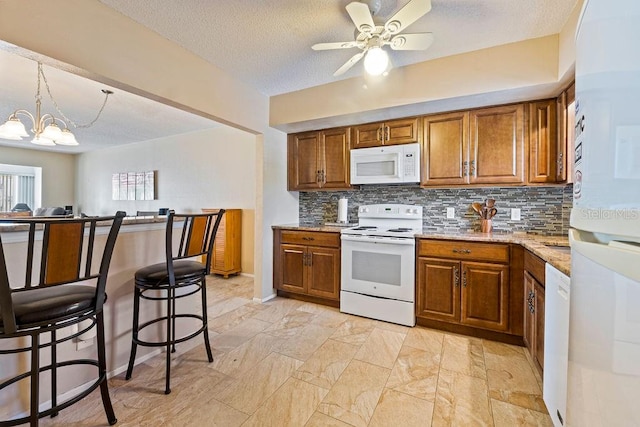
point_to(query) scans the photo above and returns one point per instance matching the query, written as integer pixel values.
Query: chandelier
(45, 127)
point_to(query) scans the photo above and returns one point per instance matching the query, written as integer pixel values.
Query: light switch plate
(451, 213)
(515, 214)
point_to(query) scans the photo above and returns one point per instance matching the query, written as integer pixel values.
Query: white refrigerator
(604, 325)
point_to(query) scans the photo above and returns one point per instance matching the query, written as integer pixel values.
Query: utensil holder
(485, 226)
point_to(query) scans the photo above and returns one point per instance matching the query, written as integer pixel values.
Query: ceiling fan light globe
(376, 61)
(13, 129)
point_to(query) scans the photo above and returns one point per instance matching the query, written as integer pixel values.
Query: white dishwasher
(556, 343)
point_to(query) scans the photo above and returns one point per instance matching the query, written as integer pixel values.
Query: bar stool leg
(170, 320)
(35, 379)
(205, 320)
(134, 331)
(102, 371)
(54, 373)
(173, 320)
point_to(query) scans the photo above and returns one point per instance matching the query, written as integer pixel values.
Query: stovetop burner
(400, 230)
(364, 227)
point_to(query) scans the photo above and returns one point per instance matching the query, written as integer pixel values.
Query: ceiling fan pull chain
(55, 104)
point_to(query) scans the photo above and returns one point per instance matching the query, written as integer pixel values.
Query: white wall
(213, 168)
(279, 205)
(58, 172)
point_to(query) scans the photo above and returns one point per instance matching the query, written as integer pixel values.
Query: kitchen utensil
(490, 203)
(491, 213)
(477, 207)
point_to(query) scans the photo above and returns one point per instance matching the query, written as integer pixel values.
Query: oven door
(379, 266)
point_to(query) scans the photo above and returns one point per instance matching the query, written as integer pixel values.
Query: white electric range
(378, 263)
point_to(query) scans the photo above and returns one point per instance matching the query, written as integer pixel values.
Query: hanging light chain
(55, 104)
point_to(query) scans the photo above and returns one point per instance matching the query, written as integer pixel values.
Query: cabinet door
(497, 145)
(335, 147)
(543, 145)
(485, 295)
(529, 312)
(323, 272)
(538, 355)
(403, 131)
(303, 161)
(438, 289)
(369, 135)
(292, 270)
(446, 148)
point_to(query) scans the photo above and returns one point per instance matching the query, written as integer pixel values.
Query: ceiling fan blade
(360, 15)
(406, 16)
(416, 41)
(334, 45)
(350, 63)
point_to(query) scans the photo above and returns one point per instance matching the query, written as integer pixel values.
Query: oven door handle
(375, 239)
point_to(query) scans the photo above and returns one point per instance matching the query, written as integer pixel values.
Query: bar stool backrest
(58, 252)
(197, 237)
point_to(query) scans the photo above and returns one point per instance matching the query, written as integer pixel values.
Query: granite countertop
(540, 245)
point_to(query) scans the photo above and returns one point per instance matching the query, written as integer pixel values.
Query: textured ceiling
(267, 44)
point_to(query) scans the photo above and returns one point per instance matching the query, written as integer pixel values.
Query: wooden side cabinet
(463, 283)
(227, 248)
(543, 142)
(307, 263)
(534, 308)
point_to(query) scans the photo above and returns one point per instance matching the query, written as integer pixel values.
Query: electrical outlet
(451, 213)
(515, 214)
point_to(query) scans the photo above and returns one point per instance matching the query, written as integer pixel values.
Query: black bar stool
(65, 276)
(159, 282)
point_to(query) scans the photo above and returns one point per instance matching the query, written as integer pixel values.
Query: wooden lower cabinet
(465, 287)
(307, 263)
(534, 299)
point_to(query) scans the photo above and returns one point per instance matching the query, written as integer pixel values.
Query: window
(19, 184)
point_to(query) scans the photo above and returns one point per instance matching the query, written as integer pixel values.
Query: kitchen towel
(342, 210)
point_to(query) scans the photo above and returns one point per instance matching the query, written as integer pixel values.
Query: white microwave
(392, 164)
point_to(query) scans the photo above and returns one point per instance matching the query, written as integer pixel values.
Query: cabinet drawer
(535, 266)
(460, 249)
(311, 238)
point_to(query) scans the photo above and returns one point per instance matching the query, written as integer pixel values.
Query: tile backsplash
(544, 210)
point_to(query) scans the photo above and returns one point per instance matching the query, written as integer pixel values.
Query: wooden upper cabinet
(303, 161)
(392, 132)
(543, 143)
(319, 159)
(565, 113)
(445, 148)
(335, 145)
(496, 154)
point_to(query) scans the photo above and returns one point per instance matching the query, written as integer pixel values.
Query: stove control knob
(365, 210)
(415, 210)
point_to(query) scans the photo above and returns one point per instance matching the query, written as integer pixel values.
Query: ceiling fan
(370, 37)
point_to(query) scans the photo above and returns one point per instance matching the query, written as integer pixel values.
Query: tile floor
(291, 363)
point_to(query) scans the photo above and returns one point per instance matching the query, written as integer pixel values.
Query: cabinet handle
(464, 279)
(323, 177)
(465, 168)
(472, 165)
(530, 301)
(387, 133)
(379, 135)
(309, 259)
(560, 162)
(456, 277)
(318, 176)
(461, 251)
(308, 238)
